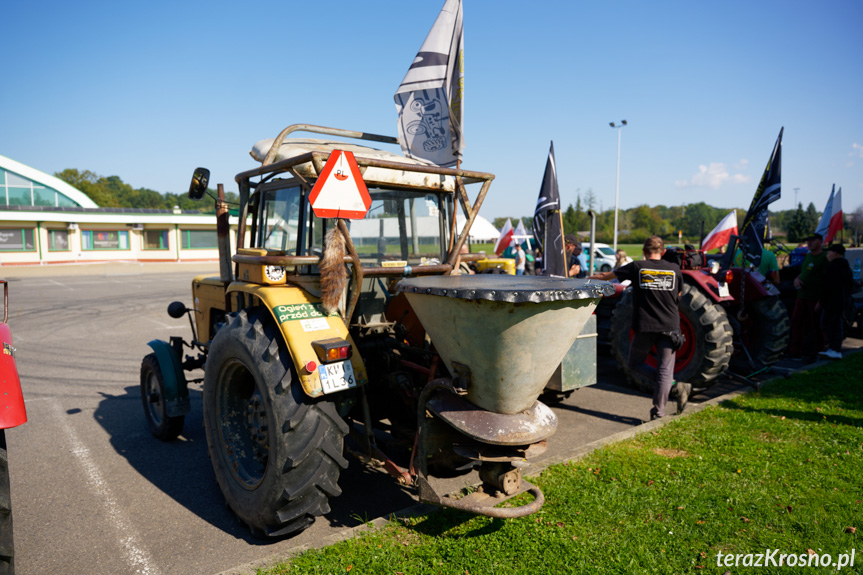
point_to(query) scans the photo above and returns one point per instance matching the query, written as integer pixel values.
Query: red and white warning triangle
(340, 191)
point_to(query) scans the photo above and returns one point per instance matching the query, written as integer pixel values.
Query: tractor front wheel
(764, 332)
(704, 355)
(153, 398)
(277, 453)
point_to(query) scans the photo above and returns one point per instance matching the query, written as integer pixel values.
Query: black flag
(769, 190)
(547, 225)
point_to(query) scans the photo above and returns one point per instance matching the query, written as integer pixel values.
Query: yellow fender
(302, 320)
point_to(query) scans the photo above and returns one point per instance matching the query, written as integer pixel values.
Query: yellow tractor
(319, 327)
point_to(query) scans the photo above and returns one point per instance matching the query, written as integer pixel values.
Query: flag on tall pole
(723, 231)
(430, 99)
(824, 223)
(836, 221)
(505, 238)
(547, 223)
(769, 190)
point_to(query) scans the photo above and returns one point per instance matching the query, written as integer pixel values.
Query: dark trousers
(806, 336)
(834, 328)
(663, 376)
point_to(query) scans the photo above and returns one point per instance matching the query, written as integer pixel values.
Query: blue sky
(148, 91)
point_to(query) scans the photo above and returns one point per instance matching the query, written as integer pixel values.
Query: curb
(535, 469)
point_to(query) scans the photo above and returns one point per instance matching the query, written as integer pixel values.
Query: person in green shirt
(768, 267)
(806, 336)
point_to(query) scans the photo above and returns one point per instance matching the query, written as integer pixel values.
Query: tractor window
(279, 220)
(401, 226)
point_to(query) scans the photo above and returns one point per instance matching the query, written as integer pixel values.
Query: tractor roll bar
(326, 131)
(367, 271)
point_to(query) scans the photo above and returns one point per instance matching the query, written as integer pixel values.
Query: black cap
(815, 236)
(571, 239)
(838, 248)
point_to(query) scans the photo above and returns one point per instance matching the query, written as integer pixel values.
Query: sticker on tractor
(298, 311)
(314, 324)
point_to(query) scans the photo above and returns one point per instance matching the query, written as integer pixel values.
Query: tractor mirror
(177, 310)
(198, 187)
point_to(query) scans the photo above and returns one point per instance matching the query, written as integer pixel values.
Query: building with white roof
(44, 220)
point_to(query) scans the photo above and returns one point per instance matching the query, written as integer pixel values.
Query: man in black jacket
(836, 287)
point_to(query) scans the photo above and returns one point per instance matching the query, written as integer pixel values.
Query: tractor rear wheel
(153, 397)
(703, 357)
(277, 453)
(764, 333)
(7, 559)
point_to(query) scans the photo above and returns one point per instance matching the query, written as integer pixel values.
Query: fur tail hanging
(333, 273)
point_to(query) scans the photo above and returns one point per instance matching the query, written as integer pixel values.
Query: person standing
(806, 337)
(520, 260)
(576, 261)
(656, 285)
(835, 290)
(768, 267)
(622, 259)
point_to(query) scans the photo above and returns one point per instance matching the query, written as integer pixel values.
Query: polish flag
(721, 233)
(836, 221)
(505, 238)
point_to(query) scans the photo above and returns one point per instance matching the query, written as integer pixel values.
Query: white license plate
(337, 376)
(723, 289)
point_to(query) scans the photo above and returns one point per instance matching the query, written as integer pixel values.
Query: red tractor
(12, 414)
(732, 318)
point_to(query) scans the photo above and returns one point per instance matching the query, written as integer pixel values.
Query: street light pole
(617, 185)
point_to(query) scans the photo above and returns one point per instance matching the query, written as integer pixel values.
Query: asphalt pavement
(93, 492)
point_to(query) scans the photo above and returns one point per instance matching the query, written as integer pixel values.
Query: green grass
(779, 469)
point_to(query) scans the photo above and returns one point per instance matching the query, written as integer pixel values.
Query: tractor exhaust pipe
(591, 258)
(222, 230)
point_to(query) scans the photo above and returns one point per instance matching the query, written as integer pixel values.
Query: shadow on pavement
(182, 469)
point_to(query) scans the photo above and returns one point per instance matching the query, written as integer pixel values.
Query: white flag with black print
(430, 99)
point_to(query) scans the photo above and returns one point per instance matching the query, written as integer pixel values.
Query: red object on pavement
(12, 412)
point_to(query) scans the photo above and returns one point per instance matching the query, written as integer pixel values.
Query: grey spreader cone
(510, 331)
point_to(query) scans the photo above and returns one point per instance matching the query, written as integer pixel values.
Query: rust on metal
(530, 426)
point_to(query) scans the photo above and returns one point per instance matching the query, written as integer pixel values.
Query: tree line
(113, 192)
(634, 224)
(692, 220)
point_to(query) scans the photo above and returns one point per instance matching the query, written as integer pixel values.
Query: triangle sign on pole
(340, 191)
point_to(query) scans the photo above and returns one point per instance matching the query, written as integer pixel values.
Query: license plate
(337, 376)
(723, 289)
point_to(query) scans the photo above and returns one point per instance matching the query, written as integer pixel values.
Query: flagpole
(560, 217)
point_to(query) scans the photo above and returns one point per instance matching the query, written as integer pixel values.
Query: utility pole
(795, 197)
(617, 185)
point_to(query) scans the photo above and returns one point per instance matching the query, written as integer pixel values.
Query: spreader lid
(507, 288)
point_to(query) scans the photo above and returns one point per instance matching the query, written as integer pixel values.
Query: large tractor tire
(153, 399)
(702, 358)
(7, 559)
(765, 332)
(277, 453)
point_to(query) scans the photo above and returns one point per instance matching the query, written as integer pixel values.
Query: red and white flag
(836, 221)
(721, 233)
(505, 238)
